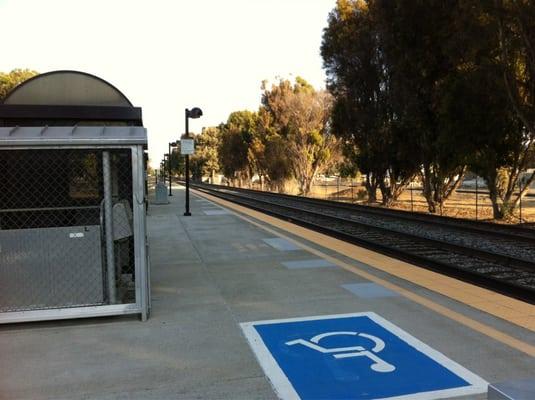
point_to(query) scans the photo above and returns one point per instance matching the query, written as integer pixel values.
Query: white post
(108, 223)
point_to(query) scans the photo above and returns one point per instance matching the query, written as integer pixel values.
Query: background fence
(464, 203)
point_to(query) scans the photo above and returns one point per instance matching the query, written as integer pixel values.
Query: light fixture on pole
(171, 145)
(195, 112)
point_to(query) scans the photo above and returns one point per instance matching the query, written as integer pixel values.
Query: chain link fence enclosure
(72, 223)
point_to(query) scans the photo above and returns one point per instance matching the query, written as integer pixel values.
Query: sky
(166, 56)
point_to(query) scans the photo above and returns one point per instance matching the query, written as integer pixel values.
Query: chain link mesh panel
(53, 251)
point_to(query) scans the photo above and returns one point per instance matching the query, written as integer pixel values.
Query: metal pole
(187, 213)
(412, 202)
(352, 190)
(477, 197)
(108, 224)
(169, 169)
(338, 188)
(520, 195)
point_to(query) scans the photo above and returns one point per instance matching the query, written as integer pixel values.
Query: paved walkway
(210, 272)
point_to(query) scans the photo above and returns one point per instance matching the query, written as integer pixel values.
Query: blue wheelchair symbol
(378, 365)
(354, 356)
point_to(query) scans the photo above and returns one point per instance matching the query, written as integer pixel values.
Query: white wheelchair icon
(378, 365)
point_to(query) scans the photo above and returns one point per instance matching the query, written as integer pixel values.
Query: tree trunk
(504, 203)
(371, 188)
(427, 190)
(305, 189)
(438, 188)
(497, 212)
(386, 194)
(391, 192)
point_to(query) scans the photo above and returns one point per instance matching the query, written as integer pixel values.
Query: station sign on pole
(187, 146)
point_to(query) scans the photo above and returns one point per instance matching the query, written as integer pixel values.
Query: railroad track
(498, 257)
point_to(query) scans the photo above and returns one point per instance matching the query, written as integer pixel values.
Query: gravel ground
(507, 247)
(398, 241)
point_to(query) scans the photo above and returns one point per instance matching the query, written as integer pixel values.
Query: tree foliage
(515, 20)
(435, 87)
(295, 119)
(421, 47)
(268, 153)
(205, 161)
(177, 162)
(360, 79)
(236, 138)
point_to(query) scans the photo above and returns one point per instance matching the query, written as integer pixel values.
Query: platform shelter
(72, 201)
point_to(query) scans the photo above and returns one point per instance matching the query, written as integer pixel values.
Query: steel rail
(475, 239)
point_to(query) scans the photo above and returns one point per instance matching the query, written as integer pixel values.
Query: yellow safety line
(348, 249)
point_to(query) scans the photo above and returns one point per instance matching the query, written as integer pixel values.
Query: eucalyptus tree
(423, 50)
(487, 97)
(268, 154)
(436, 86)
(296, 116)
(205, 161)
(235, 141)
(516, 43)
(360, 79)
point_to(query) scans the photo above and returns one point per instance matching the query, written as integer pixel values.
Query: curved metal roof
(67, 88)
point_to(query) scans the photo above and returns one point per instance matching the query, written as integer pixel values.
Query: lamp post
(171, 145)
(166, 165)
(195, 112)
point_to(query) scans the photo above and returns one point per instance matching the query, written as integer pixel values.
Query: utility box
(161, 194)
(72, 202)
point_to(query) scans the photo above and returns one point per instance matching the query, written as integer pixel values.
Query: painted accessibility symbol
(379, 365)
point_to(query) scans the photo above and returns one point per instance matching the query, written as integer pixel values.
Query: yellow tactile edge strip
(511, 310)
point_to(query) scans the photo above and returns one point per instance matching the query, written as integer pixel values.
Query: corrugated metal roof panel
(71, 135)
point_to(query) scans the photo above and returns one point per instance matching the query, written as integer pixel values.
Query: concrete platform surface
(211, 272)
(523, 389)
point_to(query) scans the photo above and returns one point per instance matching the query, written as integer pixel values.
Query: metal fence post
(108, 223)
(141, 263)
(477, 197)
(412, 203)
(520, 196)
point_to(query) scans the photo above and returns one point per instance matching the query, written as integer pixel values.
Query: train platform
(247, 306)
